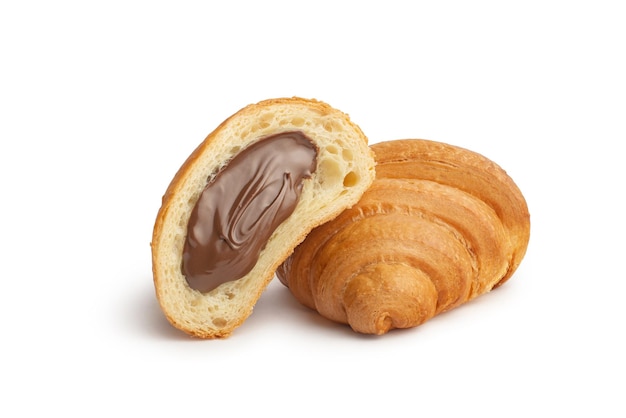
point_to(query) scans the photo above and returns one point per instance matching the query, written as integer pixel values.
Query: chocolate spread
(242, 206)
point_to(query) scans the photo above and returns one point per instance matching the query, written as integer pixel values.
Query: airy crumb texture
(345, 169)
(439, 226)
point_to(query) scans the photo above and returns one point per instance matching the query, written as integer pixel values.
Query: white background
(101, 102)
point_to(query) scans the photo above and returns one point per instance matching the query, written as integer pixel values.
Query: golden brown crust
(217, 313)
(439, 226)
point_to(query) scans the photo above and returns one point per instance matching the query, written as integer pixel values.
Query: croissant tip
(384, 324)
(380, 324)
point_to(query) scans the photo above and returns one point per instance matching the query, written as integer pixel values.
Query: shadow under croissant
(146, 318)
(283, 303)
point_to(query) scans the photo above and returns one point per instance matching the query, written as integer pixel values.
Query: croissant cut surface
(439, 226)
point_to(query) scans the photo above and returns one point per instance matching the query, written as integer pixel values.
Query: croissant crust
(439, 226)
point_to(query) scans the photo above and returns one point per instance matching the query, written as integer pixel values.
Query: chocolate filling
(241, 207)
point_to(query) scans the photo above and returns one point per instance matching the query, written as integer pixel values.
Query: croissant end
(388, 296)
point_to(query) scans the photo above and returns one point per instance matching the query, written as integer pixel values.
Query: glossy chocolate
(239, 210)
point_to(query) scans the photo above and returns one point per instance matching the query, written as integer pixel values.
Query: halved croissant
(439, 226)
(242, 201)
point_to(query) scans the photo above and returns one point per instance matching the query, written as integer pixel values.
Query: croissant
(439, 226)
(242, 201)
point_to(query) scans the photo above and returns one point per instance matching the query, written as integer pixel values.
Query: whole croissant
(439, 226)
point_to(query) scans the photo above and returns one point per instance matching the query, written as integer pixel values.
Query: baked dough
(439, 226)
(344, 170)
